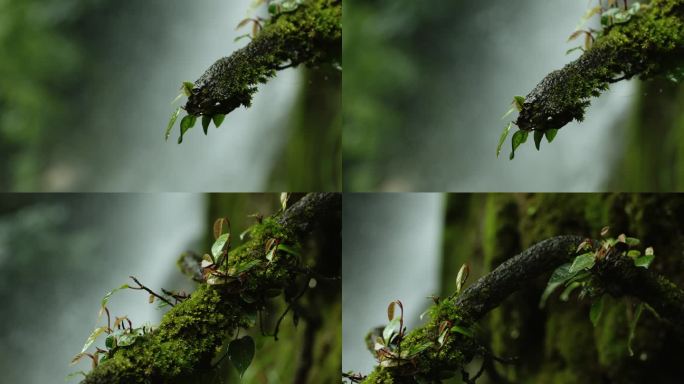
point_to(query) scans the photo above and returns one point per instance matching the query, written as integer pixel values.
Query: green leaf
(246, 266)
(644, 261)
(415, 349)
(550, 134)
(109, 294)
(572, 285)
(288, 249)
(538, 136)
(128, 339)
(518, 138)
(187, 123)
(206, 120)
(558, 277)
(220, 245)
(187, 88)
(632, 241)
(582, 262)
(93, 336)
(518, 102)
(462, 277)
(218, 119)
(172, 122)
(502, 138)
(597, 309)
(632, 327)
(391, 329)
(634, 253)
(462, 330)
(241, 353)
(508, 113)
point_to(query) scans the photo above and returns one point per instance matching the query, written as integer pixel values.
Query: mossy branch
(186, 341)
(650, 44)
(616, 274)
(310, 35)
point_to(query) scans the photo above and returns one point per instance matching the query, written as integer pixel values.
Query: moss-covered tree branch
(183, 346)
(311, 35)
(616, 274)
(650, 43)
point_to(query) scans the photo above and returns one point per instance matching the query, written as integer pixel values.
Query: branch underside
(650, 44)
(616, 274)
(310, 35)
(186, 341)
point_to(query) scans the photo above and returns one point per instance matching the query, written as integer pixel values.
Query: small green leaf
(391, 329)
(187, 88)
(518, 102)
(218, 119)
(187, 123)
(172, 121)
(597, 309)
(632, 241)
(518, 138)
(558, 277)
(288, 249)
(220, 245)
(462, 277)
(206, 120)
(246, 266)
(109, 294)
(634, 253)
(93, 336)
(550, 134)
(565, 295)
(415, 349)
(462, 330)
(632, 327)
(538, 136)
(241, 353)
(502, 138)
(644, 261)
(127, 339)
(508, 113)
(582, 262)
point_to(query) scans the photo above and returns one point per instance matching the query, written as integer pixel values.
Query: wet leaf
(502, 138)
(597, 309)
(220, 245)
(241, 353)
(582, 262)
(390, 310)
(172, 122)
(218, 119)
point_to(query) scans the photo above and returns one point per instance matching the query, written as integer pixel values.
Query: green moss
(311, 35)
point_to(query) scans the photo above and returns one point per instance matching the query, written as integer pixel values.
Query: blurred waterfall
(391, 251)
(80, 247)
(144, 50)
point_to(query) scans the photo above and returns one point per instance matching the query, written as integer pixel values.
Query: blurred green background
(60, 254)
(428, 81)
(85, 93)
